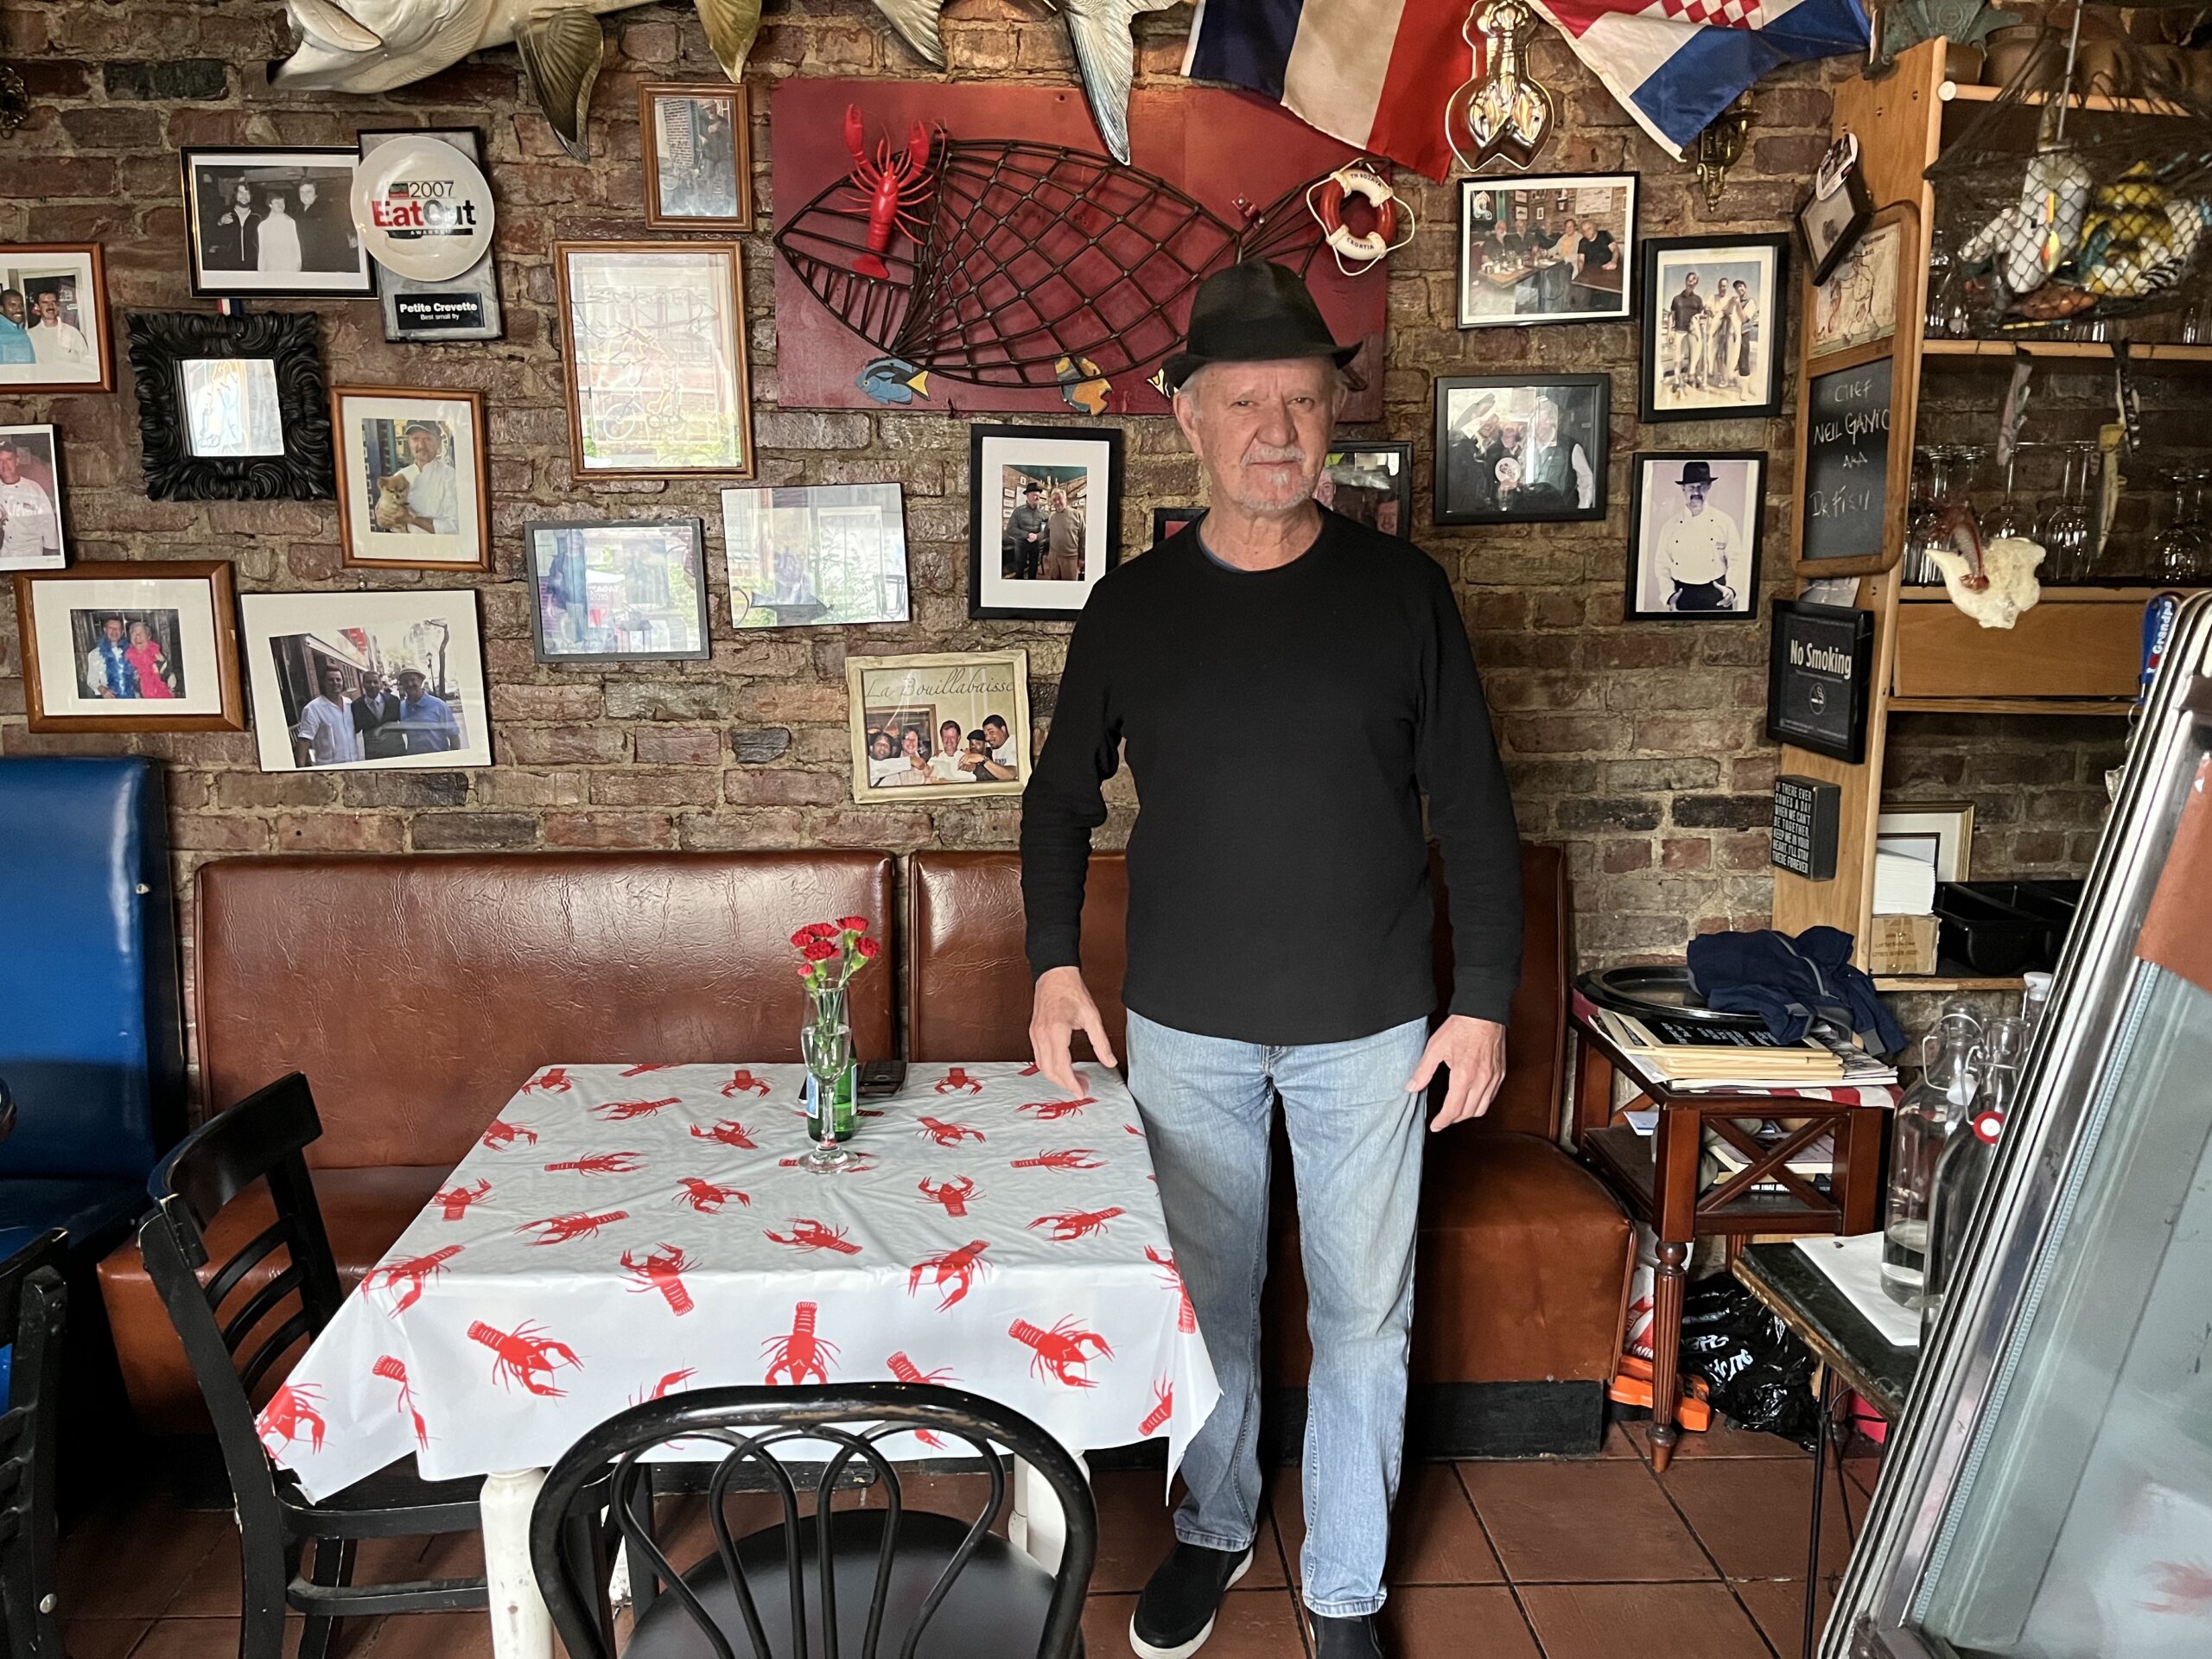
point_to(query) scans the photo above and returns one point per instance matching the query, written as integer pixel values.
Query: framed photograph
(361, 680)
(1856, 303)
(412, 494)
(1370, 485)
(230, 408)
(1836, 209)
(1545, 250)
(815, 556)
(1044, 517)
(630, 590)
(698, 151)
(466, 307)
(53, 318)
(1819, 664)
(1714, 309)
(946, 725)
(31, 536)
(1515, 449)
(652, 337)
(1169, 521)
(1693, 535)
(131, 647)
(1936, 833)
(263, 219)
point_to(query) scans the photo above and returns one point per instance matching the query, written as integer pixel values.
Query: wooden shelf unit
(1966, 93)
(2074, 655)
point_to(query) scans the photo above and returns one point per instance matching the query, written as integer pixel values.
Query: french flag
(1378, 74)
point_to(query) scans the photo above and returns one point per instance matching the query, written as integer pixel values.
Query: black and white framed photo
(950, 724)
(1545, 250)
(630, 590)
(698, 155)
(267, 220)
(1714, 309)
(230, 408)
(366, 680)
(466, 307)
(31, 536)
(1819, 662)
(1370, 484)
(1693, 535)
(1169, 521)
(53, 318)
(818, 555)
(1043, 516)
(412, 494)
(130, 647)
(1515, 449)
(1836, 209)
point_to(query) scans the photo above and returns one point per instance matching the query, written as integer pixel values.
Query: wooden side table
(1656, 1177)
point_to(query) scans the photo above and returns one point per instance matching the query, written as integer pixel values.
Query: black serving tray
(1658, 992)
(2004, 928)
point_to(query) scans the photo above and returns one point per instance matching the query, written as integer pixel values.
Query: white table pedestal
(521, 1626)
(1038, 1526)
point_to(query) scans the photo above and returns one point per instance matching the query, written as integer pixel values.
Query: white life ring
(1326, 200)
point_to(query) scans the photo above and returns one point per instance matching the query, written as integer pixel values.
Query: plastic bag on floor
(1759, 1374)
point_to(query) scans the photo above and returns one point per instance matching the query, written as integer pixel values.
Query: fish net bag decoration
(2057, 214)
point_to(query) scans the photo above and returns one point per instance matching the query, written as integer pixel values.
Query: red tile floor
(1593, 1560)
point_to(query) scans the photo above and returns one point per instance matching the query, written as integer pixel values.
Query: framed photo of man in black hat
(1693, 536)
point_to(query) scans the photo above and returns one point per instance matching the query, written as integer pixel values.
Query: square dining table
(622, 1231)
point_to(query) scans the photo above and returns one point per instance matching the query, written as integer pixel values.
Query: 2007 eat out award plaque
(1818, 667)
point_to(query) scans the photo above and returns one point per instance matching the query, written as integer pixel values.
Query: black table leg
(1820, 1480)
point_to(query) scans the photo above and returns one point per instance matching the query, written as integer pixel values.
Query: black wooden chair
(858, 1582)
(34, 1306)
(261, 1140)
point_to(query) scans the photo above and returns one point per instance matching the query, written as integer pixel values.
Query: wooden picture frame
(111, 587)
(1948, 824)
(922, 694)
(358, 507)
(24, 266)
(1674, 380)
(166, 345)
(1857, 303)
(1058, 462)
(728, 452)
(659, 177)
(1468, 472)
(232, 258)
(540, 539)
(1827, 438)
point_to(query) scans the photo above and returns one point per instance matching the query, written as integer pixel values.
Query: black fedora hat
(1254, 312)
(1695, 472)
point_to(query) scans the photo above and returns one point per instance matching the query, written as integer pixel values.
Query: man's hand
(1063, 1007)
(1473, 1050)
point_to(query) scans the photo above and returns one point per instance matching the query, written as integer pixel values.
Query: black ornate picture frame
(167, 347)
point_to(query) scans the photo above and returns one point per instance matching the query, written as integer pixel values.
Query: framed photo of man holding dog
(412, 487)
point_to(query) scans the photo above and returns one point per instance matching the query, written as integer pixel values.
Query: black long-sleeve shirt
(1281, 726)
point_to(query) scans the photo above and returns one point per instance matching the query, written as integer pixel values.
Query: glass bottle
(1963, 1169)
(1931, 1109)
(1937, 320)
(826, 1045)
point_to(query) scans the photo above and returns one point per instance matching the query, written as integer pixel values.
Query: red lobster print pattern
(953, 1272)
(289, 1413)
(649, 1065)
(743, 1082)
(454, 1202)
(601, 1163)
(953, 1195)
(560, 1230)
(662, 1270)
(802, 1354)
(1051, 1111)
(1063, 1352)
(553, 1080)
(394, 1368)
(660, 1390)
(498, 1134)
(705, 1197)
(906, 1371)
(525, 1356)
(1163, 1407)
(405, 1278)
(1187, 1317)
(807, 1234)
(1066, 1158)
(728, 1132)
(958, 1082)
(1081, 1223)
(622, 1111)
(947, 1135)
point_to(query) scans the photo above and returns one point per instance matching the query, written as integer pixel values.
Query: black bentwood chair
(33, 1304)
(261, 1139)
(859, 1583)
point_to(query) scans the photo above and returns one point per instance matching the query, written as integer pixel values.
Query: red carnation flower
(801, 940)
(853, 923)
(866, 949)
(806, 970)
(822, 930)
(820, 950)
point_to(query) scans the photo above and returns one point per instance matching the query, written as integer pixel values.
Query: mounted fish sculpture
(373, 46)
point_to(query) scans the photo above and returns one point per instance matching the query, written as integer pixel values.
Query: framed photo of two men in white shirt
(411, 488)
(1693, 535)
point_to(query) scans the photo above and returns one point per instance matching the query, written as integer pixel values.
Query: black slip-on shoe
(1344, 1638)
(1175, 1614)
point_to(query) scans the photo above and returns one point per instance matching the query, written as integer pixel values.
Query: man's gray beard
(1269, 506)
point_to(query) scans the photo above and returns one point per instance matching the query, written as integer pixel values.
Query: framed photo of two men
(1522, 449)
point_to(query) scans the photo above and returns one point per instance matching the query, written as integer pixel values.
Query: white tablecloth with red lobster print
(621, 1232)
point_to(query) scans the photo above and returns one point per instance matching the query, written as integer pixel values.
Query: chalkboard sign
(1846, 483)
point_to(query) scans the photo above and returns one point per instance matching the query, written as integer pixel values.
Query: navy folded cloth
(1792, 982)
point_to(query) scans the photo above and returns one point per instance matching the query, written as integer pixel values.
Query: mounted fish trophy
(1500, 111)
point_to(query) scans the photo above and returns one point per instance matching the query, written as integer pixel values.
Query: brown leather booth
(1524, 1258)
(417, 994)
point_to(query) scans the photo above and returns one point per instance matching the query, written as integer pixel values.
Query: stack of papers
(1903, 886)
(1687, 1050)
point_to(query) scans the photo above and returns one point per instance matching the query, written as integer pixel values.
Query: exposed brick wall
(1638, 745)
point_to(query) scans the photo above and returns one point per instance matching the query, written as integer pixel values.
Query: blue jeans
(1356, 1142)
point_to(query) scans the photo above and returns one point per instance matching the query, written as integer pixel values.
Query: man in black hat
(1279, 927)
(1701, 551)
(1021, 545)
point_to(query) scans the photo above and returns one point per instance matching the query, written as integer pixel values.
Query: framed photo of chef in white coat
(1693, 536)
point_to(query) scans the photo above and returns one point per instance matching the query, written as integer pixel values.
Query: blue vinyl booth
(91, 1044)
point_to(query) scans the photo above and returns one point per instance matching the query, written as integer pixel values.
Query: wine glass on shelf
(2011, 519)
(2065, 531)
(1924, 519)
(2179, 554)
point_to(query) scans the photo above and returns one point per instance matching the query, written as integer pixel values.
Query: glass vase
(826, 1045)
(1931, 1110)
(1963, 1170)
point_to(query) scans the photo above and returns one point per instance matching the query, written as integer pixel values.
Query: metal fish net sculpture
(2056, 214)
(1018, 258)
